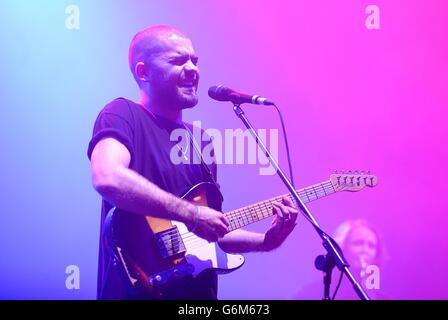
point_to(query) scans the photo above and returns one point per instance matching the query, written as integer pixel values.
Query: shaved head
(164, 64)
(150, 41)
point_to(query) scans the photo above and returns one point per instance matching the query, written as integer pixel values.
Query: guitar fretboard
(253, 213)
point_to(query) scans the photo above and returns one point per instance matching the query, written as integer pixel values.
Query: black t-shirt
(147, 137)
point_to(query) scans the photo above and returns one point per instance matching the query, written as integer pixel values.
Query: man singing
(132, 171)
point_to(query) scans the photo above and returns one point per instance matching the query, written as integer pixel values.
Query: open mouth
(190, 85)
(187, 82)
(187, 85)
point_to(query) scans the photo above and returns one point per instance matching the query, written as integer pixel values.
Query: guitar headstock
(352, 181)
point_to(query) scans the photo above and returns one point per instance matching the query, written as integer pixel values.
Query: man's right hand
(209, 224)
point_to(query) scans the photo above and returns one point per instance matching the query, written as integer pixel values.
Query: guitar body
(171, 251)
(157, 251)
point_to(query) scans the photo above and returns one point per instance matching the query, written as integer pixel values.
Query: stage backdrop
(362, 85)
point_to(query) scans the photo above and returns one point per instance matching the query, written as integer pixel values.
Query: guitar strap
(198, 152)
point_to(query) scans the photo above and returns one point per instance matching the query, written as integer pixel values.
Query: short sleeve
(114, 121)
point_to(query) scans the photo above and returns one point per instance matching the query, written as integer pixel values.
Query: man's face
(173, 73)
(361, 247)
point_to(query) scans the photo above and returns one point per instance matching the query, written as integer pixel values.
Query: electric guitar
(172, 252)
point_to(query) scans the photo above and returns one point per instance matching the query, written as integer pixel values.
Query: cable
(285, 136)
(337, 287)
(292, 182)
(291, 175)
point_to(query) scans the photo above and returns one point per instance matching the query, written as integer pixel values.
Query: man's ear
(141, 71)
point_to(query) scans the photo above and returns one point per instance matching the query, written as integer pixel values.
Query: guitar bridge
(170, 243)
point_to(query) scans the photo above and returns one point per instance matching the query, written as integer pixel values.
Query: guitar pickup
(170, 243)
(174, 273)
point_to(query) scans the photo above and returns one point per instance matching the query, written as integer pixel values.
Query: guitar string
(193, 241)
(246, 217)
(262, 205)
(262, 211)
(197, 242)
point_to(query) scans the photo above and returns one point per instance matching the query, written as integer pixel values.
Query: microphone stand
(334, 256)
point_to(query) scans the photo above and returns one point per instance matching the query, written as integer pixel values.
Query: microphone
(222, 93)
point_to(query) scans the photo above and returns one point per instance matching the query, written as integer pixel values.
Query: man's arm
(241, 241)
(128, 190)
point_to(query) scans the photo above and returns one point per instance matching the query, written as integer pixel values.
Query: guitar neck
(253, 213)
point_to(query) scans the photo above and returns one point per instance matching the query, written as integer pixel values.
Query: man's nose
(191, 67)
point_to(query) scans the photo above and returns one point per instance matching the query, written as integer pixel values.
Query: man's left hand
(282, 225)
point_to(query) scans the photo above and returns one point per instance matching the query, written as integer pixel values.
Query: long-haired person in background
(365, 252)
